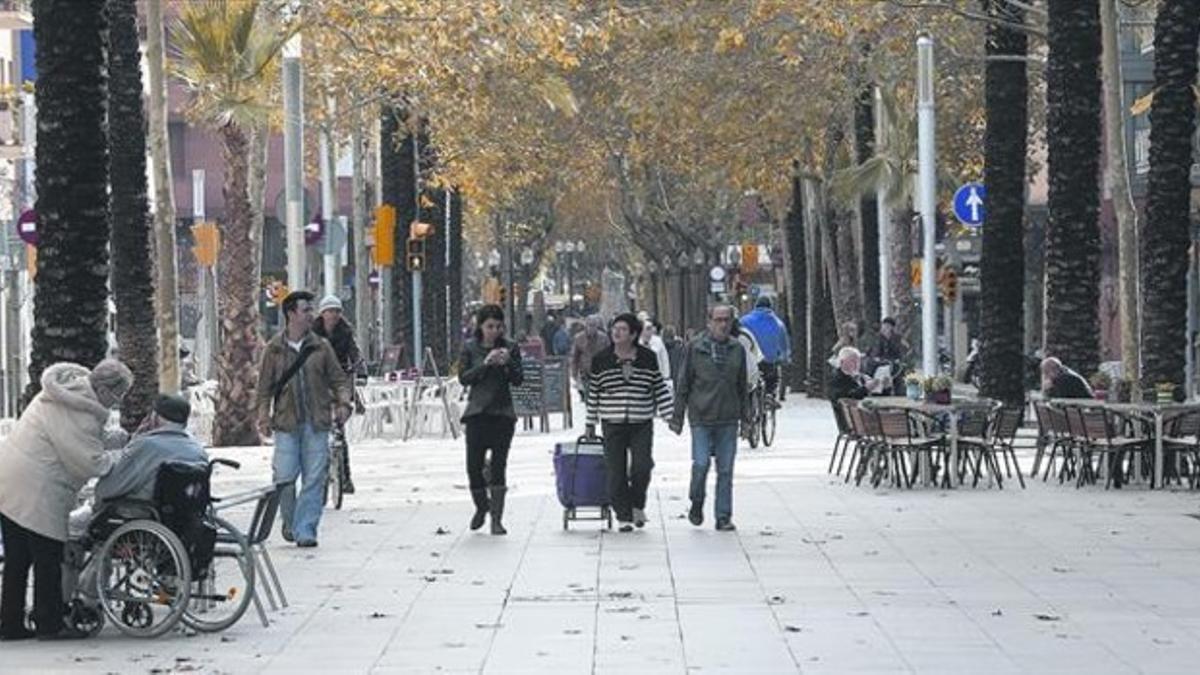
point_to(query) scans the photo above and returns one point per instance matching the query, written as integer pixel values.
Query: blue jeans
(303, 453)
(718, 441)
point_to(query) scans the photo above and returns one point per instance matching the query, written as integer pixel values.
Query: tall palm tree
(226, 53)
(1165, 235)
(132, 262)
(398, 187)
(797, 288)
(1002, 264)
(893, 166)
(1073, 138)
(71, 291)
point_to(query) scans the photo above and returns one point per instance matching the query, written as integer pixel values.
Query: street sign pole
(293, 160)
(418, 347)
(927, 172)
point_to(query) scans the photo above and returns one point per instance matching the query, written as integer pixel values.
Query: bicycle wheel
(143, 579)
(337, 467)
(768, 425)
(222, 594)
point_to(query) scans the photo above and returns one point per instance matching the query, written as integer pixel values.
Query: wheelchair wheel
(144, 578)
(84, 618)
(222, 593)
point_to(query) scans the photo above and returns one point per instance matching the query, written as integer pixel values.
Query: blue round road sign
(968, 204)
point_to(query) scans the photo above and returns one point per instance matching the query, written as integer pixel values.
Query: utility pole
(927, 182)
(883, 213)
(363, 319)
(205, 359)
(293, 159)
(334, 235)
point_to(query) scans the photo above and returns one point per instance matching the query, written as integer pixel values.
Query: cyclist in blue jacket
(773, 340)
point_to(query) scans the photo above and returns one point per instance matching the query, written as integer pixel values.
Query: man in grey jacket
(163, 438)
(711, 388)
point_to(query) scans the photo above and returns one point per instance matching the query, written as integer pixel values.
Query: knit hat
(173, 408)
(330, 302)
(110, 380)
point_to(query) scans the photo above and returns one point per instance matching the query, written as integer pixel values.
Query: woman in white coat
(56, 446)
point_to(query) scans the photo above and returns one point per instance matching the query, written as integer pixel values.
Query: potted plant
(1101, 383)
(937, 389)
(913, 386)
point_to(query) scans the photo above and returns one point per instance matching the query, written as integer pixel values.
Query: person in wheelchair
(163, 437)
(57, 445)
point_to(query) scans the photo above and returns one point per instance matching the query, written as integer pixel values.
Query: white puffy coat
(53, 450)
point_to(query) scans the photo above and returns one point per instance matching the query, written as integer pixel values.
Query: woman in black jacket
(490, 365)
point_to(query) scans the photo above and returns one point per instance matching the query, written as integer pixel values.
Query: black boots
(497, 509)
(480, 497)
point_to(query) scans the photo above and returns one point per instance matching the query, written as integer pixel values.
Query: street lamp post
(927, 182)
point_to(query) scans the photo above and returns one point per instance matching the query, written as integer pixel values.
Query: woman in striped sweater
(625, 391)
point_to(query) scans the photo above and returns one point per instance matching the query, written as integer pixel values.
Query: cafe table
(950, 410)
(1157, 412)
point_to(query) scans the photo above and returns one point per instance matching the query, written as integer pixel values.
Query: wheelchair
(147, 566)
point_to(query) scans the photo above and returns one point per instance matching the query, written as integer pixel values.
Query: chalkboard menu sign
(554, 385)
(527, 397)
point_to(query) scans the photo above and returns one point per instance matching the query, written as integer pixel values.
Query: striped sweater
(626, 391)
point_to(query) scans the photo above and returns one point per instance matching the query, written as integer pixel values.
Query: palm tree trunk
(398, 178)
(237, 372)
(1166, 237)
(133, 266)
(903, 307)
(166, 297)
(867, 213)
(455, 271)
(71, 292)
(1122, 192)
(797, 286)
(1002, 264)
(1073, 139)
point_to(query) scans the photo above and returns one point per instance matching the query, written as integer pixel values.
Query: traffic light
(749, 258)
(416, 255)
(948, 283)
(384, 252)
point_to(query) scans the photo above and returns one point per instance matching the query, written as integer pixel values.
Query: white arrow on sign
(974, 202)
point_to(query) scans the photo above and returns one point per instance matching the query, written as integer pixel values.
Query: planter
(938, 397)
(1100, 394)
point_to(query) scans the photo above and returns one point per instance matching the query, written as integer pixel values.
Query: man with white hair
(848, 380)
(1059, 381)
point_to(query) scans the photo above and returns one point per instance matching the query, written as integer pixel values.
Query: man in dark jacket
(848, 381)
(712, 390)
(332, 326)
(1059, 381)
(302, 392)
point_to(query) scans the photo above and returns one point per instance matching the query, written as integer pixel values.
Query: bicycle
(334, 486)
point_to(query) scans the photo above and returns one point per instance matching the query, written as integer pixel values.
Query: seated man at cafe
(848, 380)
(1059, 381)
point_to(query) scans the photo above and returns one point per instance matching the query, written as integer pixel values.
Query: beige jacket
(55, 447)
(326, 384)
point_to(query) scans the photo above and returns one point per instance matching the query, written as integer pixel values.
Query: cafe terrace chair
(1181, 447)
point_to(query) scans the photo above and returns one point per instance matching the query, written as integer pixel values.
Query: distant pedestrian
(675, 347)
(588, 343)
(302, 392)
(626, 391)
(712, 391)
(490, 365)
(651, 340)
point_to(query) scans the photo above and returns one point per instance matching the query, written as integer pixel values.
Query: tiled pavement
(821, 577)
